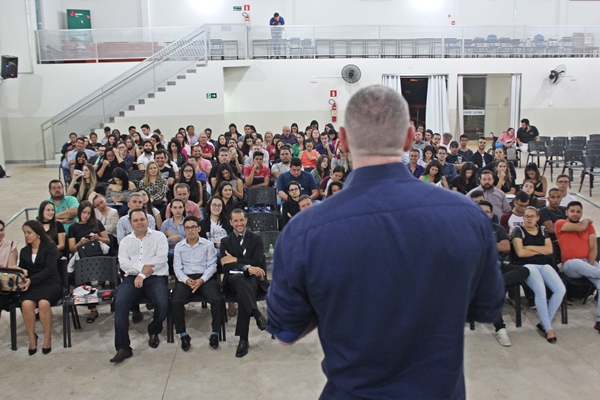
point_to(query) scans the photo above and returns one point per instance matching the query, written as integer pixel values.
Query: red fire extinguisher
(246, 18)
(333, 110)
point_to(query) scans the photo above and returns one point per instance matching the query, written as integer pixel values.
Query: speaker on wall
(10, 67)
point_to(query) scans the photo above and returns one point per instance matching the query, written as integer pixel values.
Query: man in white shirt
(124, 227)
(143, 259)
(562, 182)
(195, 265)
(146, 156)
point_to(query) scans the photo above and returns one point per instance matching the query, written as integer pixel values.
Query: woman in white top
(105, 214)
(8, 250)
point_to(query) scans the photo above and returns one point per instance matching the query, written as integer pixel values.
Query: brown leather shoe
(121, 355)
(154, 340)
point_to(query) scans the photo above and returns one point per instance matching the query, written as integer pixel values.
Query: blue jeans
(66, 168)
(541, 276)
(155, 290)
(580, 268)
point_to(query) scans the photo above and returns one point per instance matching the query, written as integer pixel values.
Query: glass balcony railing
(237, 41)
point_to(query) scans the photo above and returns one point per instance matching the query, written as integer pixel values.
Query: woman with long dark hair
(503, 179)
(43, 286)
(298, 147)
(215, 226)
(291, 206)
(322, 169)
(121, 188)
(85, 230)
(225, 174)
(433, 174)
(247, 145)
(186, 149)
(173, 227)
(428, 153)
(540, 184)
(53, 228)
(176, 153)
(112, 161)
(187, 174)
(466, 179)
(221, 142)
(149, 208)
(533, 249)
(225, 192)
(81, 159)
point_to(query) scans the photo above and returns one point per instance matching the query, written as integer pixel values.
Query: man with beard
(146, 156)
(578, 248)
(419, 144)
(492, 194)
(481, 158)
(65, 207)
(552, 212)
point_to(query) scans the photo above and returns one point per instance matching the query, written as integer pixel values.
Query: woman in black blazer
(43, 285)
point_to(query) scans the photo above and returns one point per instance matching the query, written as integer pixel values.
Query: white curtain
(515, 101)
(460, 120)
(437, 118)
(392, 81)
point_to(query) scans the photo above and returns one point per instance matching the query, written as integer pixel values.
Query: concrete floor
(530, 369)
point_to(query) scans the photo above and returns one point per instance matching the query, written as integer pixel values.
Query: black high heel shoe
(545, 334)
(33, 351)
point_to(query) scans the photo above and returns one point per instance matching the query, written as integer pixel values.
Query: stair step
(181, 76)
(92, 130)
(141, 101)
(131, 108)
(150, 95)
(101, 125)
(191, 71)
(121, 113)
(171, 83)
(161, 89)
(111, 120)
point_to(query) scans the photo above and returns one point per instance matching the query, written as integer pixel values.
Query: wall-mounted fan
(557, 74)
(351, 73)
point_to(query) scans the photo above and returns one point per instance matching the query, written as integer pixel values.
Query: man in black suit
(243, 260)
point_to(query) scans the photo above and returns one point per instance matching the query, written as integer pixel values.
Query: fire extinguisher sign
(333, 93)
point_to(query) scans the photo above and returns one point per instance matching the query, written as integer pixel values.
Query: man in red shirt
(257, 174)
(578, 248)
(208, 150)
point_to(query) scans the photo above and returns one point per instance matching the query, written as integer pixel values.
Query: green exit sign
(211, 95)
(237, 8)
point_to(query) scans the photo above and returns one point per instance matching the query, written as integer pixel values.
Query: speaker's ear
(10, 67)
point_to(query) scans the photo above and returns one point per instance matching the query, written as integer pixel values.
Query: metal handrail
(586, 199)
(23, 210)
(121, 91)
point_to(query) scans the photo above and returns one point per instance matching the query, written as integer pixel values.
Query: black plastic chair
(137, 175)
(515, 292)
(62, 268)
(592, 151)
(269, 238)
(266, 196)
(582, 140)
(595, 136)
(591, 167)
(560, 141)
(554, 157)
(262, 221)
(573, 162)
(535, 149)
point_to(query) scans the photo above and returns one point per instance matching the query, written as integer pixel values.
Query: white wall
(272, 93)
(167, 13)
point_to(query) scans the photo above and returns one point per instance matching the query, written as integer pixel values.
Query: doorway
(414, 91)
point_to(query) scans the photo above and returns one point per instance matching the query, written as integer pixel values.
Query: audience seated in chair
(143, 260)
(53, 228)
(83, 187)
(579, 248)
(562, 182)
(106, 215)
(492, 194)
(65, 207)
(257, 174)
(552, 212)
(533, 249)
(43, 286)
(305, 179)
(182, 192)
(514, 218)
(195, 266)
(540, 183)
(243, 260)
(187, 175)
(111, 162)
(153, 181)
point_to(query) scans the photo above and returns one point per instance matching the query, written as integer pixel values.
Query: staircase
(128, 90)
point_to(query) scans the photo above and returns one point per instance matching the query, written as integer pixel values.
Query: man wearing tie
(243, 260)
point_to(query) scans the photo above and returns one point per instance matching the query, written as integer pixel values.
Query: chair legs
(517, 296)
(564, 318)
(13, 327)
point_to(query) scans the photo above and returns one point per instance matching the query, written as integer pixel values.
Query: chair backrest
(595, 136)
(592, 152)
(591, 162)
(492, 38)
(555, 151)
(268, 238)
(536, 146)
(573, 156)
(306, 42)
(578, 139)
(136, 175)
(578, 146)
(262, 195)
(97, 268)
(262, 221)
(538, 38)
(295, 41)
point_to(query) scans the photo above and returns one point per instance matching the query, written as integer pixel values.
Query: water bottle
(271, 250)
